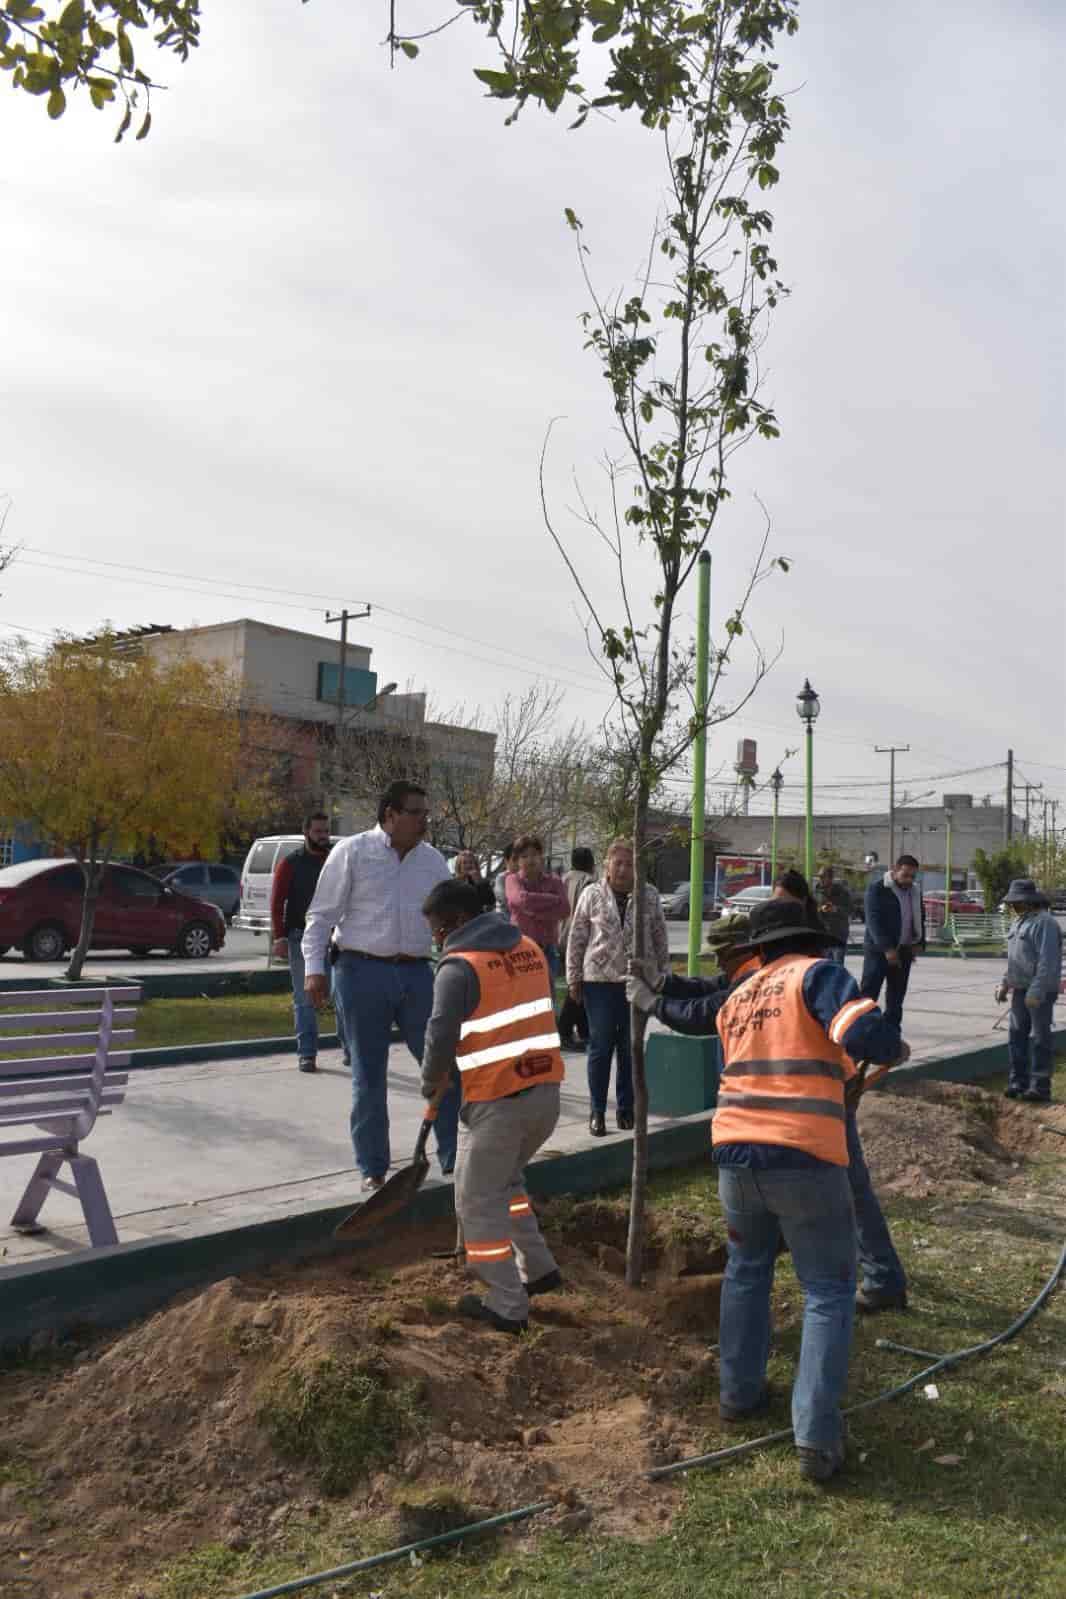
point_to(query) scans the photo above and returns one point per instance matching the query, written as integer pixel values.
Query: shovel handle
(429, 1116)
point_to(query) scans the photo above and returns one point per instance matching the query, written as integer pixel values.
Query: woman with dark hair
(792, 885)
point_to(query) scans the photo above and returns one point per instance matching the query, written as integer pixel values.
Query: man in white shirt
(372, 889)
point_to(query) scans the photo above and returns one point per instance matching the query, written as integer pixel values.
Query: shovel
(397, 1192)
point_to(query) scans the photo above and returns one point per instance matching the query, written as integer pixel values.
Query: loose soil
(153, 1441)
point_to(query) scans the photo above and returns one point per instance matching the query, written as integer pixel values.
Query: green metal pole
(773, 838)
(699, 764)
(810, 805)
(947, 874)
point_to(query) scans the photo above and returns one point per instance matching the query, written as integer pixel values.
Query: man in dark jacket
(833, 900)
(293, 889)
(895, 932)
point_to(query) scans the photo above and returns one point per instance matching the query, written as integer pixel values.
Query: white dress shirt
(373, 898)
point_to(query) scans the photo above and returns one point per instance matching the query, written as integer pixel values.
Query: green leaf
(142, 131)
(571, 219)
(768, 176)
(57, 104)
(410, 50)
(72, 17)
(125, 51)
(499, 84)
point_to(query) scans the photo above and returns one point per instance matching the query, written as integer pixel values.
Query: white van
(257, 877)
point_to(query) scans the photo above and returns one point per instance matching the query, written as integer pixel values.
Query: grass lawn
(165, 1022)
(961, 1497)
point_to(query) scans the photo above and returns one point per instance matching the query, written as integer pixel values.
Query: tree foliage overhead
(61, 46)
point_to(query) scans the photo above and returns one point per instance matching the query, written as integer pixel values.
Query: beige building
(291, 679)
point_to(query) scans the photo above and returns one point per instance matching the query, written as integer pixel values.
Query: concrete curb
(164, 985)
(236, 1049)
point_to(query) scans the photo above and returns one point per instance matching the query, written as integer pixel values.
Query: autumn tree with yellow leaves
(104, 749)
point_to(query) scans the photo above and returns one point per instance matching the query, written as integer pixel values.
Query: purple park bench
(49, 1103)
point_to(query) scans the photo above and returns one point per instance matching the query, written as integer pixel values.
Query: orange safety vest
(783, 1073)
(509, 1042)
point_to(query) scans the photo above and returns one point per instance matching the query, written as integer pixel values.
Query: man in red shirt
(293, 889)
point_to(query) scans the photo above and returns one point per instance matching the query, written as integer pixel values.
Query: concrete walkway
(203, 1147)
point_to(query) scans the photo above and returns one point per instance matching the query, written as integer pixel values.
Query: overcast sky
(310, 333)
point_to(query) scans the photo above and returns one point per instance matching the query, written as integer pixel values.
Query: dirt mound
(933, 1138)
(261, 1396)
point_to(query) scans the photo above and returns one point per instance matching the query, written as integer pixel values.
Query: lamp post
(948, 816)
(776, 785)
(807, 707)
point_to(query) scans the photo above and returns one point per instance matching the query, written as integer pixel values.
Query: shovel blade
(394, 1197)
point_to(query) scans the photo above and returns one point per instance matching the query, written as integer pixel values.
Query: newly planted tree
(681, 362)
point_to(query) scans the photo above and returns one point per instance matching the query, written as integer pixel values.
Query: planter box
(682, 1074)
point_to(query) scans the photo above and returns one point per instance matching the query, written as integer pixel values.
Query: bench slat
(58, 1040)
(67, 1019)
(23, 1089)
(11, 998)
(42, 1065)
(62, 1110)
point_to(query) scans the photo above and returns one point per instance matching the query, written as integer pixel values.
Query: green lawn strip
(900, 1524)
(165, 1023)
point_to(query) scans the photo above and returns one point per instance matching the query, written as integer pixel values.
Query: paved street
(241, 952)
(205, 1146)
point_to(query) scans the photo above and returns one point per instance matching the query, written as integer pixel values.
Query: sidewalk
(200, 1148)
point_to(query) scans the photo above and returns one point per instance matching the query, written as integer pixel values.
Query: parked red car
(40, 913)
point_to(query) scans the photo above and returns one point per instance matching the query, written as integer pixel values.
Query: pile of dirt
(934, 1138)
(168, 1435)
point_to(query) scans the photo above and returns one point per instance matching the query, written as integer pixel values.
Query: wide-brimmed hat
(1023, 888)
(780, 921)
(729, 932)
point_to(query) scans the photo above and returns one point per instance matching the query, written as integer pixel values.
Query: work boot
(547, 1284)
(624, 1121)
(598, 1124)
(1012, 1091)
(818, 1465)
(1037, 1096)
(470, 1305)
(731, 1413)
(871, 1300)
(307, 1063)
(372, 1184)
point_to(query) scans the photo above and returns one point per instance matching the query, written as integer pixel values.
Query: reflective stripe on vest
(784, 1075)
(509, 1042)
(487, 1250)
(520, 1206)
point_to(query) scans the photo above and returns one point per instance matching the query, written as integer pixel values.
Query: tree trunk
(92, 871)
(638, 1022)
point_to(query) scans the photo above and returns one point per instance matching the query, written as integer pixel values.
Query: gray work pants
(503, 1241)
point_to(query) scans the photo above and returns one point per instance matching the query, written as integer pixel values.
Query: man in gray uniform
(493, 1020)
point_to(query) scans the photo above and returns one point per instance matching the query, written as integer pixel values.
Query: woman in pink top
(537, 901)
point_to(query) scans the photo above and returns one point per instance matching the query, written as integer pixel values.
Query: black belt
(392, 960)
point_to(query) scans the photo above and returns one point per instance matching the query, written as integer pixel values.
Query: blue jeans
(814, 1211)
(607, 1010)
(882, 1269)
(837, 952)
(551, 955)
(876, 970)
(372, 995)
(1030, 1026)
(304, 1013)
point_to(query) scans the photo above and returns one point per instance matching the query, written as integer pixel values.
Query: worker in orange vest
(791, 1033)
(494, 1021)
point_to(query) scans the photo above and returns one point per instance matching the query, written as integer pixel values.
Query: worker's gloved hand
(648, 972)
(428, 1089)
(640, 994)
(1001, 994)
(1032, 1001)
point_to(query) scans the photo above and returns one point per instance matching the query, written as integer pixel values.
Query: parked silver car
(220, 885)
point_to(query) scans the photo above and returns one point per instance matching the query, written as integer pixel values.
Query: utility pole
(343, 617)
(891, 750)
(1008, 820)
(1030, 788)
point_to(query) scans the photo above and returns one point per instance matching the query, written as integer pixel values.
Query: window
(133, 885)
(222, 876)
(7, 850)
(262, 857)
(68, 880)
(190, 875)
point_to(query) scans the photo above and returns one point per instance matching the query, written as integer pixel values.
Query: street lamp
(777, 782)
(807, 707)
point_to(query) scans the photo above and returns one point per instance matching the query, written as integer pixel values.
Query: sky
(301, 347)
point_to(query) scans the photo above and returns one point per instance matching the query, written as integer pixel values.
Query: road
(241, 952)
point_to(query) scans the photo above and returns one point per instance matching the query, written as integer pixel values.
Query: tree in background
(994, 872)
(105, 750)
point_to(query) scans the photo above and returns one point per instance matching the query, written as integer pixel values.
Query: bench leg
(29, 1206)
(97, 1211)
